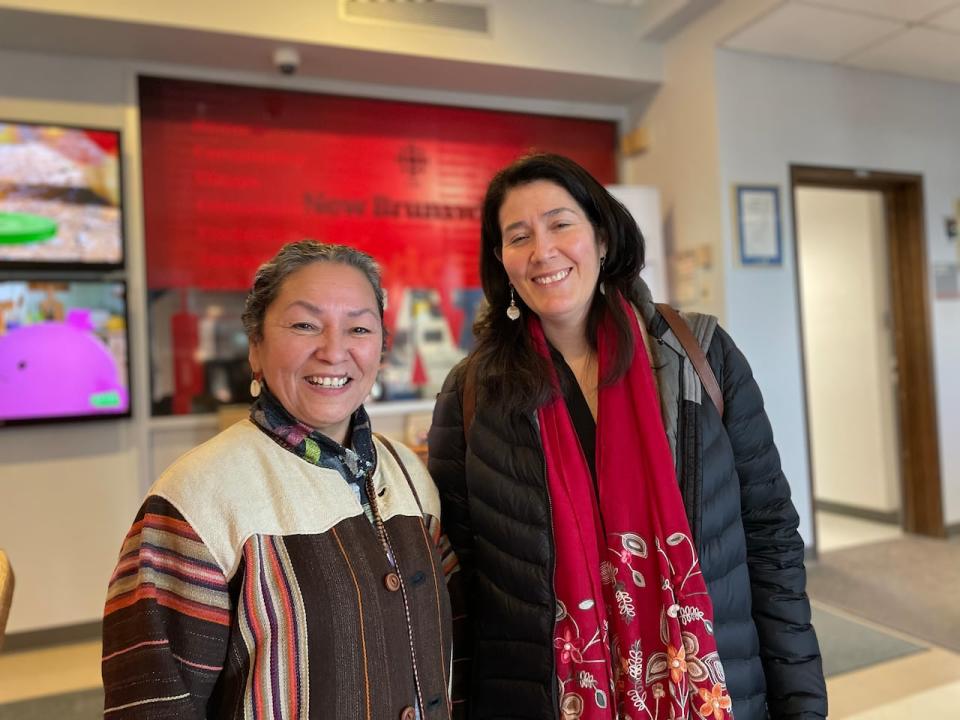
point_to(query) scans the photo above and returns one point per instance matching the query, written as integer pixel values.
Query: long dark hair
(510, 371)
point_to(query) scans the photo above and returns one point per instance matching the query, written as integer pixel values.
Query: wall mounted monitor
(60, 197)
(63, 350)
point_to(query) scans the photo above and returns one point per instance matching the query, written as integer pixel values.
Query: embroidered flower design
(571, 707)
(625, 603)
(634, 544)
(715, 702)
(696, 670)
(621, 673)
(689, 614)
(638, 700)
(634, 666)
(569, 646)
(658, 691)
(608, 573)
(676, 662)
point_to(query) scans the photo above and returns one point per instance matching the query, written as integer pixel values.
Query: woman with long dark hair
(628, 543)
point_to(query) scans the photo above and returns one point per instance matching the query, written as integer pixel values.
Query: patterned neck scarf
(353, 462)
(634, 628)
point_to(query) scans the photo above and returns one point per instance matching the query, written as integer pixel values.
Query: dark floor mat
(848, 645)
(910, 584)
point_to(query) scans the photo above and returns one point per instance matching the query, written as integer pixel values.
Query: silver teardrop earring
(255, 386)
(513, 312)
(603, 290)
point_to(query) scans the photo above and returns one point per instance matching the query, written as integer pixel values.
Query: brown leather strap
(403, 468)
(469, 397)
(694, 354)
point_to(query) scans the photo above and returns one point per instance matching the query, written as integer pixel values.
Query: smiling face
(321, 345)
(550, 252)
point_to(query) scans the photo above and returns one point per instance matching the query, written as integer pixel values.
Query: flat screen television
(60, 197)
(63, 350)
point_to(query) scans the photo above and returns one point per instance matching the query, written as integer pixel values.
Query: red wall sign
(230, 173)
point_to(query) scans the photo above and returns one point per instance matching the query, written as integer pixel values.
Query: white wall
(774, 112)
(689, 155)
(643, 203)
(682, 159)
(848, 347)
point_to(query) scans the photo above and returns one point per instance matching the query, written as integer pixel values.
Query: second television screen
(63, 350)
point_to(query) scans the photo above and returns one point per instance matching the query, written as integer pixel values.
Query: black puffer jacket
(496, 512)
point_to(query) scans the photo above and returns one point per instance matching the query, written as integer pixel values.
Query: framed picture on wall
(758, 225)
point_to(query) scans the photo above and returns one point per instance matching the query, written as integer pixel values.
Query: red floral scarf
(634, 626)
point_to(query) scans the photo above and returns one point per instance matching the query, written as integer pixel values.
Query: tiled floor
(922, 685)
(25, 675)
(840, 531)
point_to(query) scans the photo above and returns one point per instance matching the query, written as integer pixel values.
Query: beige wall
(683, 159)
(68, 492)
(68, 497)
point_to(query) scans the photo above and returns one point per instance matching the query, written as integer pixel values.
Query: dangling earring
(255, 386)
(603, 259)
(513, 312)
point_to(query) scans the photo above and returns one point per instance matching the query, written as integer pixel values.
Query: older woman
(629, 546)
(288, 568)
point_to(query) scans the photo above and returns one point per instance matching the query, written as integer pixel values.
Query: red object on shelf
(188, 378)
(419, 374)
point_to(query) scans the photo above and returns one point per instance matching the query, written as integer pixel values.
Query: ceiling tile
(812, 33)
(921, 51)
(904, 10)
(949, 20)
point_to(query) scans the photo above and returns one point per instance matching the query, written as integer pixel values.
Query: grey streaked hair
(292, 257)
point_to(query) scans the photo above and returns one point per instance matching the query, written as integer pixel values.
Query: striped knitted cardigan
(252, 585)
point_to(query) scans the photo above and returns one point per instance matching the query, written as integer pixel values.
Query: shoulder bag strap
(403, 468)
(694, 354)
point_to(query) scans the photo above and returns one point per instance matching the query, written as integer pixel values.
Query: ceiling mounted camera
(286, 60)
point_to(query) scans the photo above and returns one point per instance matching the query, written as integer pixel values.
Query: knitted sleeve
(166, 620)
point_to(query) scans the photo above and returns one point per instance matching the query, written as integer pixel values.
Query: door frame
(920, 481)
